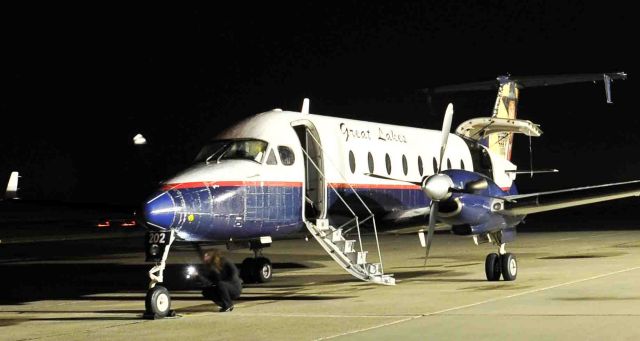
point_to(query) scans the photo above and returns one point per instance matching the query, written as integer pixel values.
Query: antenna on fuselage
(305, 106)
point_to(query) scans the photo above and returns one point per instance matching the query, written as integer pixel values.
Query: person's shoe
(226, 309)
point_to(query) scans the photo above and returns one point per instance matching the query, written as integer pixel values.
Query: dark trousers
(222, 294)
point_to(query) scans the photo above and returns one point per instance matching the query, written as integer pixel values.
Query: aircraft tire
(247, 271)
(509, 266)
(158, 302)
(263, 270)
(492, 267)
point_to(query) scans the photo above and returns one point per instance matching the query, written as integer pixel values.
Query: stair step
(346, 245)
(322, 225)
(357, 257)
(336, 236)
(384, 279)
(373, 269)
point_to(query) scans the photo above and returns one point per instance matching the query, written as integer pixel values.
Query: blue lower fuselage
(223, 211)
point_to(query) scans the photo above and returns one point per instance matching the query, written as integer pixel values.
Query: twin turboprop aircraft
(281, 173)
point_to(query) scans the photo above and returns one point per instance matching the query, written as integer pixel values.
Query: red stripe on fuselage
(279, 184)
(374, 186)
(167, 187)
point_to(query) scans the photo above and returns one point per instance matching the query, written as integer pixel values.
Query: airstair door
(315, 187)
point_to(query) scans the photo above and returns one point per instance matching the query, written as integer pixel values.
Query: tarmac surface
(572, 284)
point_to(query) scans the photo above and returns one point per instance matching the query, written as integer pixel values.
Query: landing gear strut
(158, 300)
(504, 264)
(257, 269)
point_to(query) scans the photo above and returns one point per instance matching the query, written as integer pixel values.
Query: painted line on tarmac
(533, 291)
(208, 313)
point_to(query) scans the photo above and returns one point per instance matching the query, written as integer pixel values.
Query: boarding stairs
(348, 253)
(343, 251)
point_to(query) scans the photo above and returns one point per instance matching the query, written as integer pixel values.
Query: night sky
(79, 82)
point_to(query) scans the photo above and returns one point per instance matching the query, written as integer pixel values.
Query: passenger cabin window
(420, 166)
(435, 165)
(271, 160)
(448, 164)
(405, 167)
(244, 149)
(286, 155)
(352, 162)
(370, 161)
(387, 160)
(462, 164)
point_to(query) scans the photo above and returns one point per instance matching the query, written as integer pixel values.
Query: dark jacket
(229, 273)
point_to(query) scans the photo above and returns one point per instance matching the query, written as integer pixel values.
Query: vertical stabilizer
(506, 107)
(12, 186)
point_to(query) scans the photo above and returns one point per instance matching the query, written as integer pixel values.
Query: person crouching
(221, 279)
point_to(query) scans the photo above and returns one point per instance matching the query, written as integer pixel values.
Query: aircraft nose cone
(160, 211)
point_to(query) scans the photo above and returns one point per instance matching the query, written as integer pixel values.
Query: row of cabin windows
(286, 156)
(405, 164)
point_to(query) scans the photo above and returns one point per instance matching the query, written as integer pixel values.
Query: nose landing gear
(158, 300)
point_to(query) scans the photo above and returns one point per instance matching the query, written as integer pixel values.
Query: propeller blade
(422, 238)
(418, 183)
(446, 129)
(433, 211)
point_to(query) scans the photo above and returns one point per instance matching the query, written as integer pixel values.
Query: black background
(80, 82)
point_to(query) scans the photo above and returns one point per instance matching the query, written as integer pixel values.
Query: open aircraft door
(315, 186)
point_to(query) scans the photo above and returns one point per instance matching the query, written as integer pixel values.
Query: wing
(547, 201)
(418, 229)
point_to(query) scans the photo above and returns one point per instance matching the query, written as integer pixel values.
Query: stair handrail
(371, 215)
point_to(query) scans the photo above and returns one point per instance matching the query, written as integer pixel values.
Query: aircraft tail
(12, 186)
(506, 106)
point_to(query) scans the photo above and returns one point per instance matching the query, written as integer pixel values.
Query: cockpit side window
(286, 155)
(271, 159)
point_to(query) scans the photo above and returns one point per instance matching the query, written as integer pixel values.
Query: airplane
(282, 173)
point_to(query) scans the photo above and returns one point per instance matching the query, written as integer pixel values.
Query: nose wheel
(504, 264)
(158, 302)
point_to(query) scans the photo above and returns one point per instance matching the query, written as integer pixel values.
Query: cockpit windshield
(215, 151)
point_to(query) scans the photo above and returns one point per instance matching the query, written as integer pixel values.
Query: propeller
(438, 186)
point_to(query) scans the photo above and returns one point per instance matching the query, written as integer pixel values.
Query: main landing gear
(502, 263)
(256, 269)
(158, 300)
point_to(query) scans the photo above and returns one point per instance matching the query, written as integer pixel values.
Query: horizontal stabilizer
(530, 81)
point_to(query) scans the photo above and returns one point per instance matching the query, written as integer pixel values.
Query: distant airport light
(104, 223)
(139, 140)
(128, 223)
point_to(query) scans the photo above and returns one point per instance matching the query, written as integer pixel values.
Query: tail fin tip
(12, 186)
